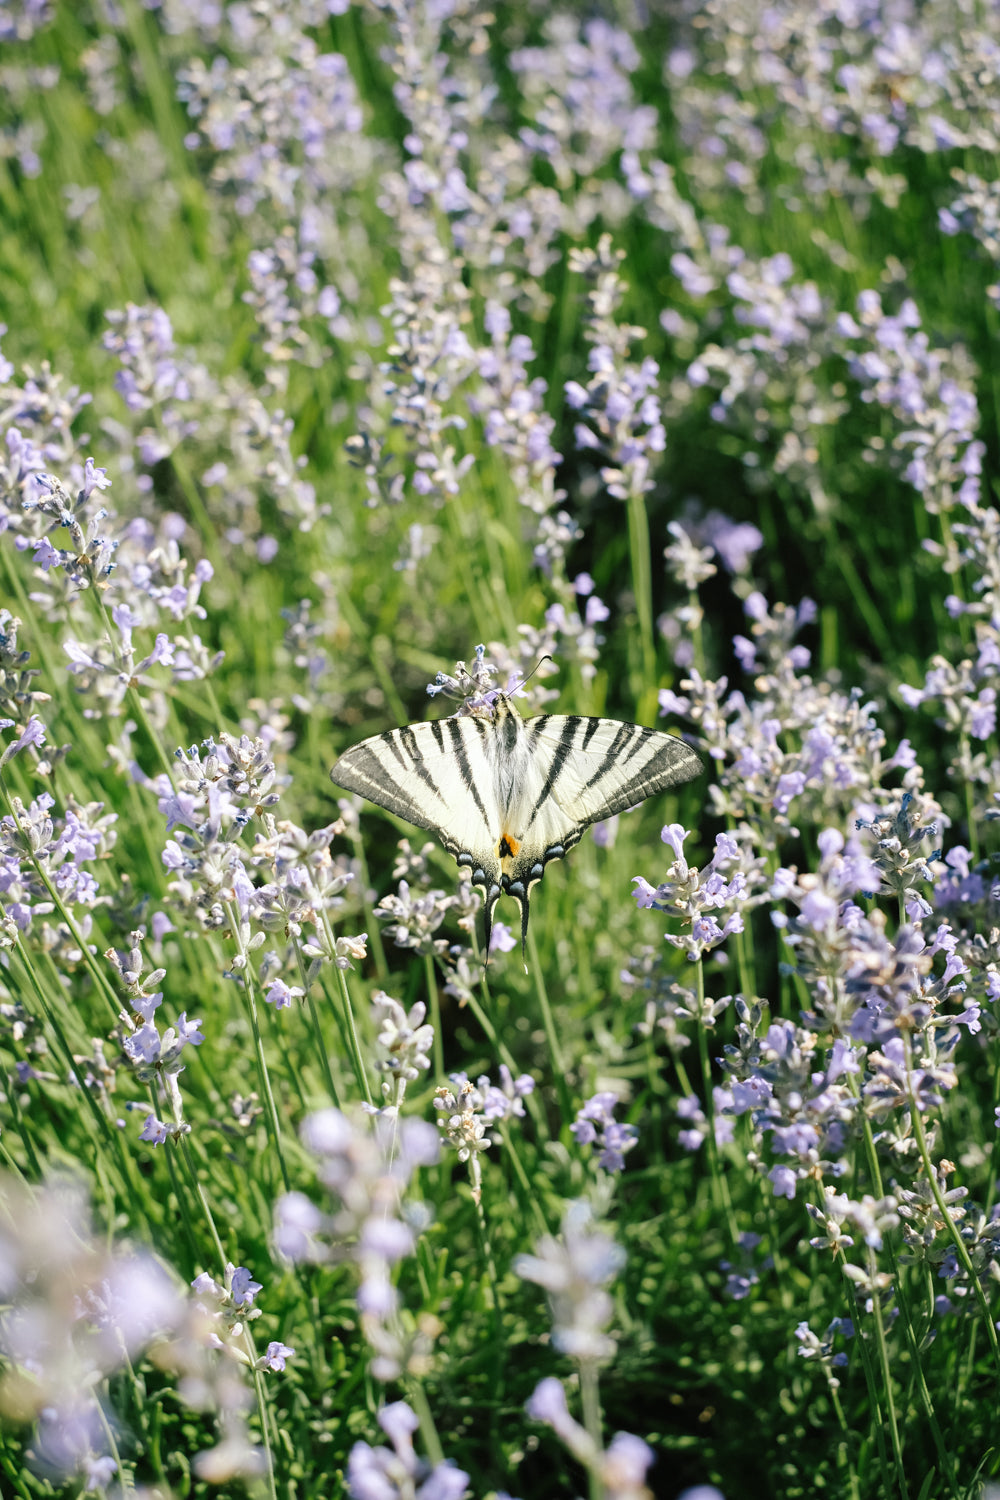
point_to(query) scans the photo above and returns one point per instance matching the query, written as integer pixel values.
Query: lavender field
(649, 349)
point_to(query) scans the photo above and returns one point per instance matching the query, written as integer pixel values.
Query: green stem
(198, 1186)
(503, 1053)
(923, 1390)
(970, 810)
(886, 1373)
(590, 1398)
(844, 1447)
(179, 1193)
(555, 1051)
(874, 1392)
(112, 1138)
(126, 1477)
(528, 1194)
(953, 1233)
(250, 992)
(265, 1424)
(371, 921)
(428, 1431)
(697, 634)
(363, 636)
(357, 1056)
(642, 587)
(133, 695)
(10, 1087)
(913, 1343)
(13, 1167)
(317, 1030)
(435, 1010)
(720, 1188)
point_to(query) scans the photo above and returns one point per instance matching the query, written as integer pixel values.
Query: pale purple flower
(547, 1403)
(575, 1270)
(783, 1180)
(674, 835)
(143, 1045)
(644, 893)
(275, 1355)
(399, 1474)
(280, 995)
(502, 940)
(297, 1221)
(188, 1032)
(595, 1125)
(243, 1289)
(153, 1131)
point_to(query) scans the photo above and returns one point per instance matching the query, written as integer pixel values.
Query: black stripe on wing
(668, 762)
(372, 768)
(612, 754)
(462, 756)
(409, 742)
(617, 764)
(560, 756)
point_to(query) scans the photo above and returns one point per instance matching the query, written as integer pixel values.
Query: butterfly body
(504, 794)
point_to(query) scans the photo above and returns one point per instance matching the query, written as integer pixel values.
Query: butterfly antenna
(531, 674)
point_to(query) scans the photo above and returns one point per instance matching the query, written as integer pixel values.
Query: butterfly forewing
(433, 775)
(586, 769)
(506, 796)
(600, 767)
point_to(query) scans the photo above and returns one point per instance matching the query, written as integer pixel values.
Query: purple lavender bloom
(243, 1289)
(280, 994)
(734, 541)
(506, 1100)
(795, 1140)
(674, 835)
(783, 1180)
(547, 1403)
(644, 893)
(275, 1355)
(153, 1131)
(33, 733)
(384, 1474)
(188, 1032)
(750, 1094)
(502, 940)
(595, 1125)
(297, 1221)
(387, 1238)
(143, 1046)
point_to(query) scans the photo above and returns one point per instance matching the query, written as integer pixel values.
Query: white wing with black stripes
(504, 794)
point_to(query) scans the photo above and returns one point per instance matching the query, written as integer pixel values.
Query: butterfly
(504, 794)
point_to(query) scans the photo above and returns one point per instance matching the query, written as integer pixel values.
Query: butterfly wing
(600, 767)
(437, 776)
(505, 796)
(583, 770)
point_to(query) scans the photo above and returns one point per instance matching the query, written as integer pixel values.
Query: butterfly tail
(522, 901)
(490, 899)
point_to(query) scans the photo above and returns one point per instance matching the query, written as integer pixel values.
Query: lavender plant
(654, 351)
